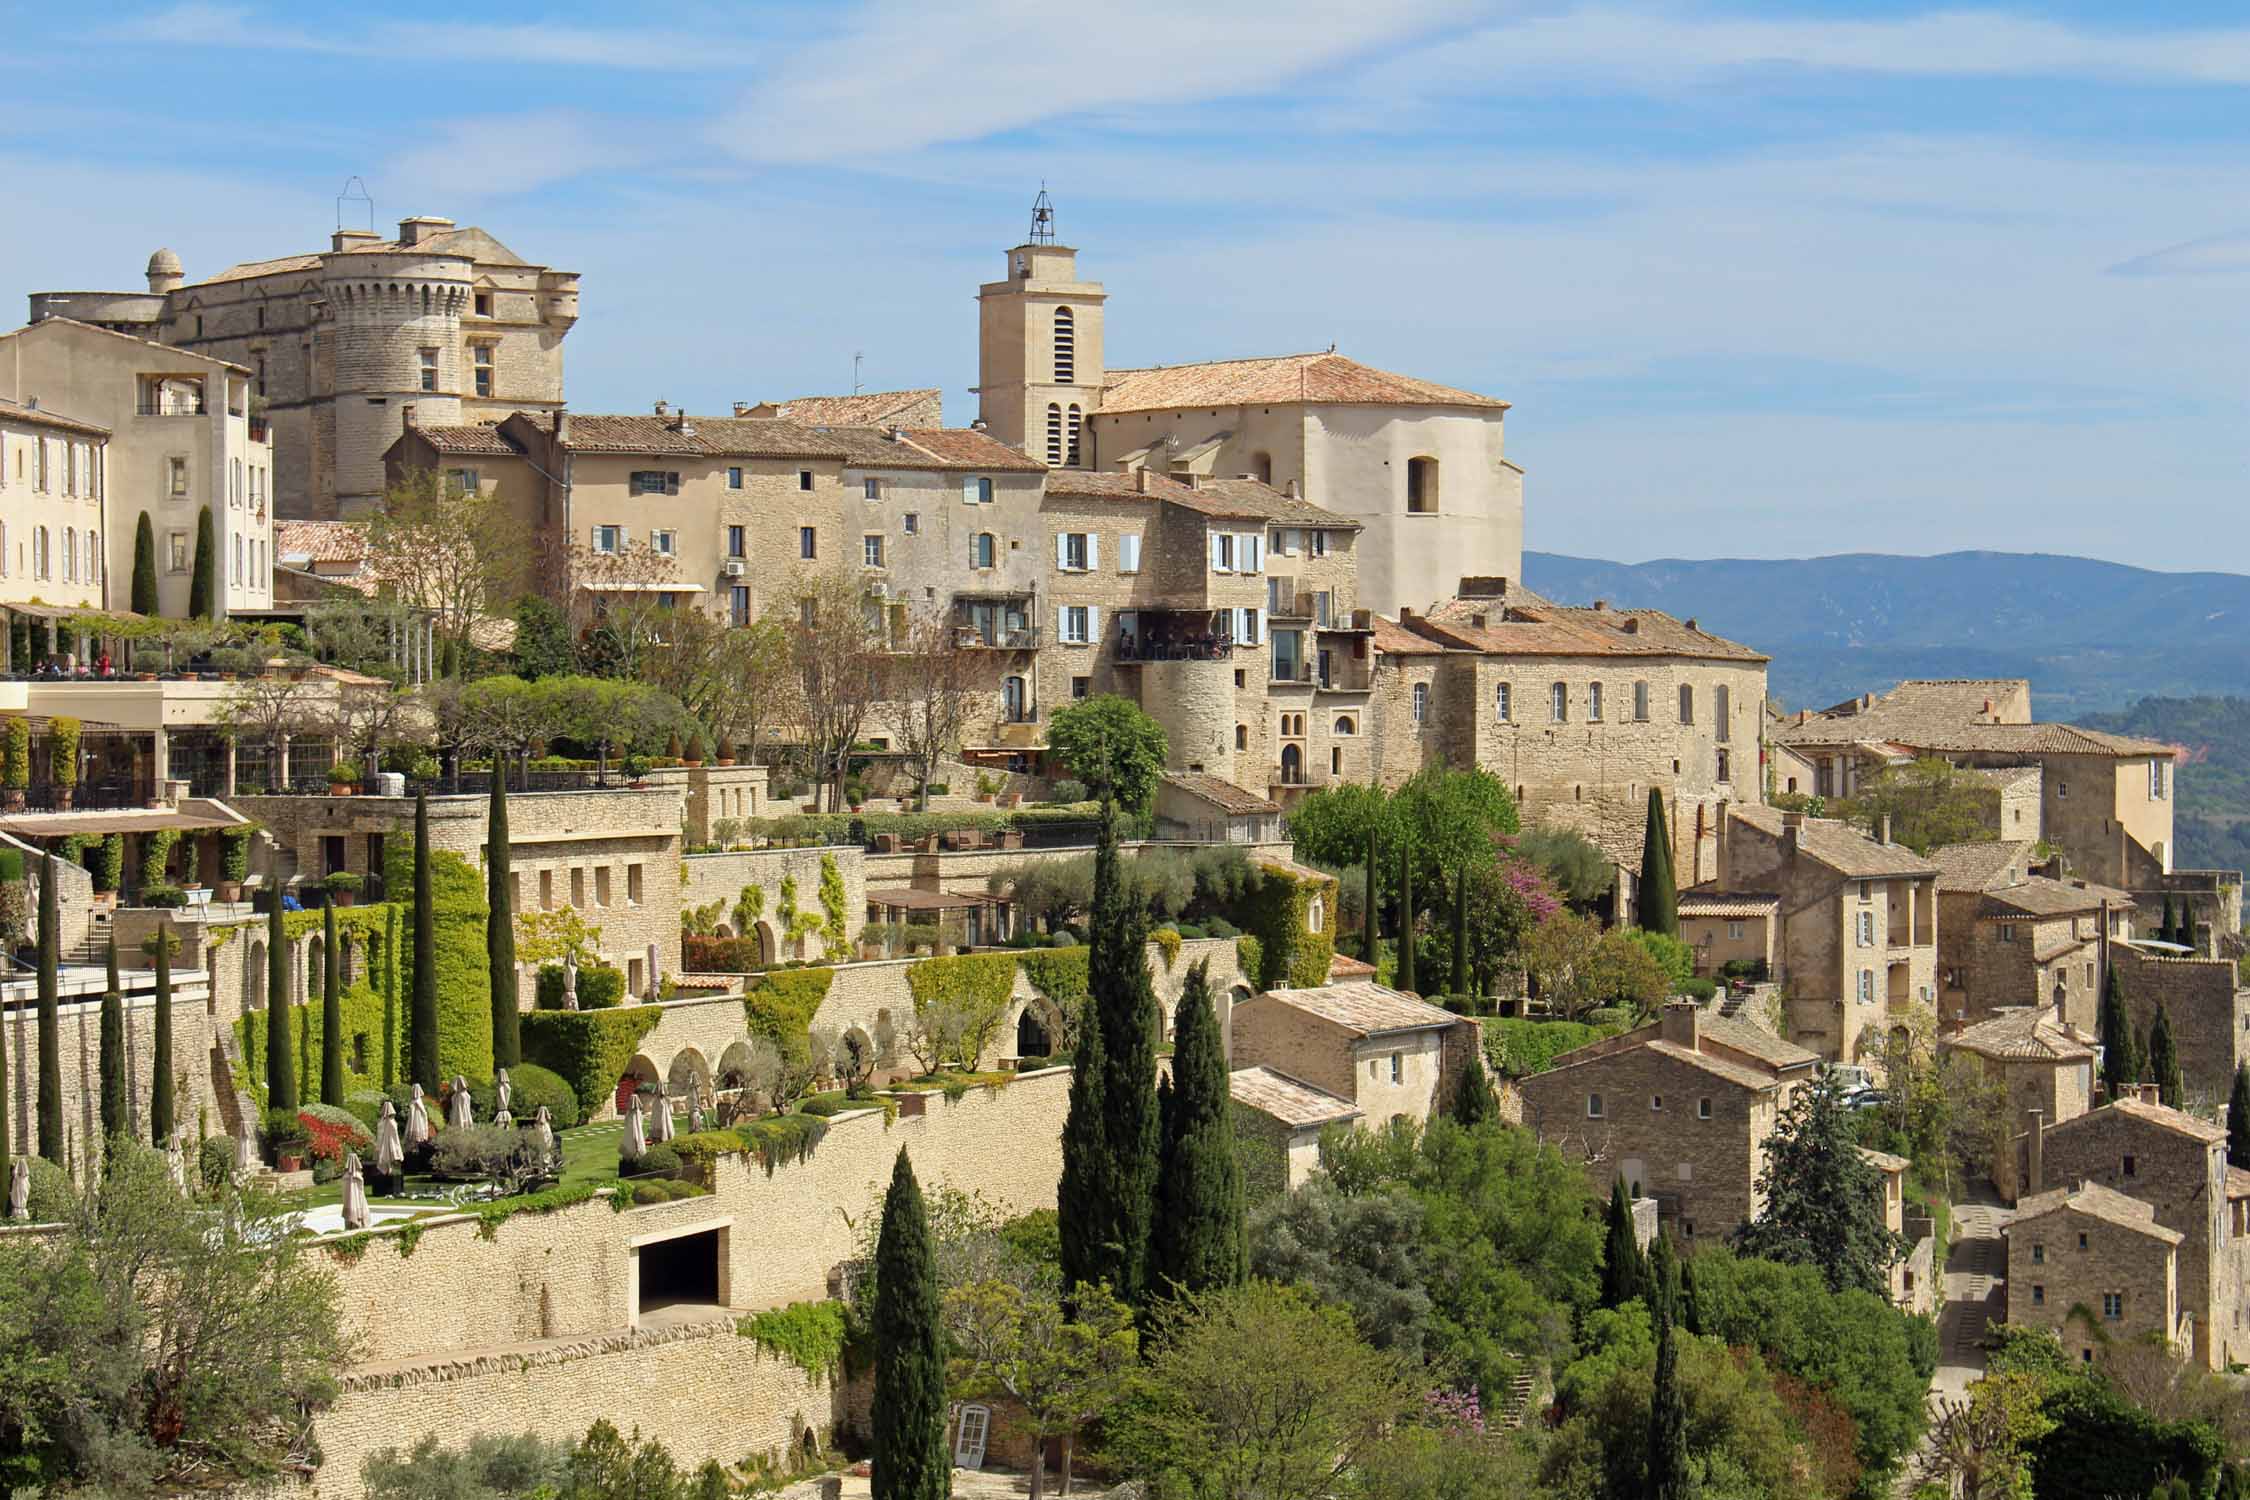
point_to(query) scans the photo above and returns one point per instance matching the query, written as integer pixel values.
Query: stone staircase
(1515, 1403)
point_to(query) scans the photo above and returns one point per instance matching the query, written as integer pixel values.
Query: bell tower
(1039, 348)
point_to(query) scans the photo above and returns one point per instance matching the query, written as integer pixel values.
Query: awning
(101, 824)
(914, 898)
(644, 588)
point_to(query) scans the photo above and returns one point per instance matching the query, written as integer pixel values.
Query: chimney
(1679, 1024)
(1691, 624)
(742, 408)
(407, 412)
(345, 239)
(663, 408)
(1632, 625)
(1988, 708)
(1883, 829)
(1140, 482)
(2035, 1133)
(562, 424)
(2152, 1093)
(1405, 615)
(1290, 489)
(1601, 606)
(898, 434)
(421, 227)
(979, 425)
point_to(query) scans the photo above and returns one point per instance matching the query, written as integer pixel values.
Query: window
(808, 542)
(1129, 552)
(609, 538)
(1719, 715)
(912, 523)
(1558, 702)
(1656, 1103)
(1735, 930)
(2038, 1295)
(1726, 767)
(871, 551)
(1421, 486)
(1320, 544)
(1594, 702)
(2129, 1165)
(871, 489)
(1073, 552)
(1687, 703)
(1073, 623)
(1345, 726)
(1398, 1068)
(1323, 604)
(734, 541)
(1421, 702)
(1285, 541)
(2038, 1255)
(1076, 425)
(1503, 702)
(480, 359)
(178, 468)
(734, 478)
(1867, 929)
(467, 481)
(738, 604)
(2081, 1239)
(804, 479)
(665, 543)
(428, 360)
(2113, 1306)
(1066, 347)
(1703, 1108)
(1081, 688)
(1054, 435)
(1640, 703)
(1867, 890)
(633, 884)
(2062, 788)
(1593, 1106)
(984, 492)
(601, 885)
(484, 304)
(652, 482)
(983, 547)
(176, 550)
(1867, 986)
(2156, 780)
(1222, 552)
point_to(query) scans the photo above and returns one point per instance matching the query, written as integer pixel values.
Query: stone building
(1726, 927)
(2177, 1164)
(2093, 1267)
(1858, 934)
(182, 442)
(1379, 1051)
(1285, 1117)
(924, 407)
(338, 342)
(1419, 466)
(2046, 1068)
(2008, 937)
(53, 513)
(2206, 1003)
(1680, 1109)
(1205, 810)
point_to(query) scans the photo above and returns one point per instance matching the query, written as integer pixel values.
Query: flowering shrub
(330, 1132)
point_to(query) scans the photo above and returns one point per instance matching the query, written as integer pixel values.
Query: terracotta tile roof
(36, 416)
(1980, 866)
(1951, 716)
(1838, 845)
(2238, 1183)
(2008, 777)
(320, 541)
(1394, 639)
(1542, 629)
(2037, 896)
(1326, 377)
(477, 438)
(1220, 793)
(1741, 1036)
(1718, 1067)
(868, 409)
(251, 269)
(2056, 947)
(966, 448)
(2098, 1202)
(1094, 484)
(2027, 1032)
(1884, 1161)
(1251, 499)
(712, 437)
(1727, 904)
(2163, 1116)
(1364, 1007)
(2036, 739)
(1344, 966)
(1298, 1105)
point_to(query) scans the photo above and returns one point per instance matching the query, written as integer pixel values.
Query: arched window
(1292, 765)
(1503, 702)
(1241, 736)
(1345, 726)
(1066, 347)
(1261, 464)
(1075, 427)
(1054, 435)
(1421, 486)
(1558, 701)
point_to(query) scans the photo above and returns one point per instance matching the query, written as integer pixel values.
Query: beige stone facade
(182, 441)
(338, 343)
(1730, 928)
(2047, 1070)
(2008, 937)
(2094, 1267)
(52, 512)
(1382, 1053)
(1679, 1110)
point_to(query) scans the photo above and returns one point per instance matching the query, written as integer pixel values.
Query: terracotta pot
(289, 1164)
(343, 898)
(63, 797)
(230, 890)
(727, 762)
(341, 789)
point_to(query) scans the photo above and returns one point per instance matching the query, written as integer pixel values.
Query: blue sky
(1760, 280)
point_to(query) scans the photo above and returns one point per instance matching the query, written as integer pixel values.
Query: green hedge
(1274, 912)
(841, 828)
(600, 986)
(781, 1007)
(980, 981)
(589, 1049)
(1519, 1047)
(464, 987)
(530, 1086)
(365, 1012)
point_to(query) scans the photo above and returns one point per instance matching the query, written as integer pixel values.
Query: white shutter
(1215, 565)
(1093, 622)
(1062, 622)
(1093, 551)
(1129, 549)
(1253, 555)
(968, 491)
(1242, 627)
(1062, 549)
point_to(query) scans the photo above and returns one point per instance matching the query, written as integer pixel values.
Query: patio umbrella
(543, 1131)
(663, 1127)
(634, 1144)
(570, 982)
(417, 1119)
(175, 1162)
(355, 1193)
(695, 1112)
(19, 1189)
(655, 980)
(503, 1093)
(459, 1109)
(390, 1156)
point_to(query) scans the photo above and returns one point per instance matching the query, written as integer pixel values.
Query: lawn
(589, 1156)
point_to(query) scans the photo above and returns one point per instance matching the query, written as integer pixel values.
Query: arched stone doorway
(639, 1073)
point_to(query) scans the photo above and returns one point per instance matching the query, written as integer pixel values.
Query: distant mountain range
(2092, 636)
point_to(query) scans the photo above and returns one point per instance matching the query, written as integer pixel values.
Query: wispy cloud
(433, 39)
(2219, 255)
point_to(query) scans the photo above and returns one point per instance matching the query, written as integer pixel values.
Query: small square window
(484, 304)
(481, 357)
(1703, 1109)
(2038, 1295)
(872, 489)
(2113, 1305)
(913, 524)
(804, 479)
(665, 543)
(2038, 1255)
(2082, 1239)
(734, 478)
(1238, 677)
(1081, 687)
(428, 363)
(1593, 1106)
(871, 551)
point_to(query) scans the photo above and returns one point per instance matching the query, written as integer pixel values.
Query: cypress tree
(160, 1105)
(422, 1013)
(2164, 1060)
(1124, 1002)
(1624, 1272)
(2238, 1118)
(1691, 1304)
(113, 1051)
(1658, 908)
(203, 587)
(500, 930)
(331, 1011)
(144, 567)
(1405, 976)
(281, 1048)
(1198, 1242)
(1085, 1156)
(1667, 1416)
(1472, 1095)
(909, 1408)
(2164, 933)
(2121, 1061)
(50, 1113)
(1461, 985)
(1369, 942)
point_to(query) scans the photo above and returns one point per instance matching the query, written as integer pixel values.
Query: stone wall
(194, 1031)
(2050, 1278)
(2209, 1013)
(723, 877)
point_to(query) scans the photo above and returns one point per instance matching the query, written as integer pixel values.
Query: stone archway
(734, 1068)
(639, 1073)
(769, 945)
(689, 1073)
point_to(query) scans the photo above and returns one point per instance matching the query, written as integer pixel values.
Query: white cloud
(498, 155)
(633, 47)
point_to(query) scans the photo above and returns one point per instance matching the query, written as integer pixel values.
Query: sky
(1760, 280)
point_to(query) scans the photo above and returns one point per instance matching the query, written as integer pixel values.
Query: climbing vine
(977, 985)
(782, 1007)
(810, 1335)
(1168, 940)
(749, 905)
(832, 901)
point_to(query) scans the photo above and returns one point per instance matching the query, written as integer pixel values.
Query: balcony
(1298, 673)
(987, 637)
(261, 430)
(169, 406)
(1199, 648)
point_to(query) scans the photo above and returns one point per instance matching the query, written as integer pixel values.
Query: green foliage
(2211, 793)
(1277, 912)
(50, 1111)
(1823, 1200)
(500, 931)
(63, 734)
(461, 972)
(2101, 1444)
(2238, 1118)
(156, 855)
(487, 1467)
(834, 917)
(1111, 745)
(909, 1410)
(1196, 1242)
(543, 646)
(1472, 1103)
(1364, 1252)
(1930, 803)
(588, 1049)
(1658, 898)
(2164, 1059)
(2122, 1062)
(109, 863)
(203, 587)
(144, 597)
(1624, 1269)
(1519, 1047)
(810, 1335)
(782, 1006)
(161, 1082)
(1674, 958)
(15, 762)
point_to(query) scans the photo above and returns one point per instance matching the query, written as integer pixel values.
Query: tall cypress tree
(113, 1052)
(1461, 984)
(1624, 1272)
(1690, 1310)
(50, 1113)
(1472, 1102)
(2121, 1060)
(1405, 976)
(1198, 1240)
(1667, 1415)
(203, 586)
(144, 567)
(1371, 939)
(2164, 1060)
(1085, 1157)
(2238, 1118)
(281, 1047)
(909, 1408)
(2164, 933)
(500, 929)
(160, 1104)
(1124, 1003)
(422, 1014)
(1658, 908)
(331, 1011)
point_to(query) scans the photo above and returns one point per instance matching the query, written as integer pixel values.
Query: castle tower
(1039, 348)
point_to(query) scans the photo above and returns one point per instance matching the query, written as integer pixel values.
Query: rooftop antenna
(355, 191)
(857, 356)
(1042, 218)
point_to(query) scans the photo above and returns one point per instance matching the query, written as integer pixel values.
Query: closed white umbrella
(695, 1112)
(634, 1146)
(459, 1109)
(175, 1162)
(417, 1119)
(543, 1130)
(355, 1193)
(390, 1156)
(663, 1128)
(503, 1094)
(19, 1189)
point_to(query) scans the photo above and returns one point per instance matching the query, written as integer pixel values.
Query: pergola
(59, 619)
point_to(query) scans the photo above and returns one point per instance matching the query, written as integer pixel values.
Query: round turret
(165, 272)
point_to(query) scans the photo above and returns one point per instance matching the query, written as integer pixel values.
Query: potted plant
(15, 762)
(343, 887)
(234, 860)
(986, 787)
(170, 896)
(694, 755)
(62, 759)
(726, 749)
(672, 750)
(286, 1139)
(343, 779)
(636, 770)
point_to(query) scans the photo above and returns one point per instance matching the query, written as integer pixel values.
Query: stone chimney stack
(2152, 1093)
(1140, 482)
(1680, 1024)
(742, 408)
(2035, 1134)
(1883, 828)
(406, 414)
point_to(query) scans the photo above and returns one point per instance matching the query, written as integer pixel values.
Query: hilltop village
(582, 896)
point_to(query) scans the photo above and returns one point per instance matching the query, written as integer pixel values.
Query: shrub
(782, 1138)
(344, 881)
(1218, 927)
(650, 1192)
(283, 1129)
(530, 1086)
(343, 773)
(1190, 932)
(1520, 1048)
(52, 1198)
(1069, 790)
(333, 1131)
(473, 1150)
(1700, 989)
(587, 1049)
(599, 987)
(659, 1160)
(365, 1105)
(163, 895)
(214, 1163)
(718, 955)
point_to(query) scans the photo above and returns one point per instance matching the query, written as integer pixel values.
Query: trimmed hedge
(718, 955)
(587, 1049)
(846, 828)
(782, 1006)
(530, 1086)
(600, 987)
(1520, 1047)
(464, 985)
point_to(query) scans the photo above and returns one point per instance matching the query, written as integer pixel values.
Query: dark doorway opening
(680, 1272)
(1031, 1037)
